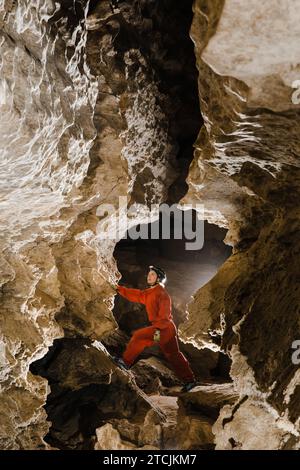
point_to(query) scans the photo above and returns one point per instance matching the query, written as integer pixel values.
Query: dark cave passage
(187, 270)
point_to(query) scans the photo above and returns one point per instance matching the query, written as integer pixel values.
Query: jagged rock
(246, 173)
(96, 105)
(85, 119)
(151, 432)
(195, 433)
(180, 429)
(115, 341)
(183, 429)
(63, 144)
(209, 399)
(146, 369)
(87, 390)
(108, 438)
(242, 428)
(197, 412)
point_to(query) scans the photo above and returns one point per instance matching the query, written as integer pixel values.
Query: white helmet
(162, 277)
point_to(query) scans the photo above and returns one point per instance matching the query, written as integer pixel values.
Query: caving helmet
(161, 275)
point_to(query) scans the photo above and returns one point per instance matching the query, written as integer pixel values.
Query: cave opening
(187, 271)
(85, 394)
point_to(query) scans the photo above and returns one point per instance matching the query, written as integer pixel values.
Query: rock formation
(246, 172)
(99, 104)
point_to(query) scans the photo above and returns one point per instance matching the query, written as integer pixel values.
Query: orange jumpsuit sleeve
(134, 295)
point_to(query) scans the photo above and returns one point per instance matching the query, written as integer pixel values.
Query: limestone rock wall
(83, 121)
(246, 173)
(93, 108)
(53, 177)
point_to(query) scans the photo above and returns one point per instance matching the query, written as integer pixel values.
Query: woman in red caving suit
(163, 329)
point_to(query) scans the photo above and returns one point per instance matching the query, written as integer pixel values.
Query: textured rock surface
(46, 138)
(246, 172)
(84, 120)
(96, 105)
(88, 391)
(209, 399)
(183, 427)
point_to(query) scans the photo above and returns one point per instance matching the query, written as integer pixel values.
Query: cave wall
(246, 173)
(84, 120)
(53, 177)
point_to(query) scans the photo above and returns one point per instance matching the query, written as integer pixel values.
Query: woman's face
(152, 276)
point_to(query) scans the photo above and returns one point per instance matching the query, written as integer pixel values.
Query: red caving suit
(159, 310)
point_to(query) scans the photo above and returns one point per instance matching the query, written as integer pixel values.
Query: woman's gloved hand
(156, 336)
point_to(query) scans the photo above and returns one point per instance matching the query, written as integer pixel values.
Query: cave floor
(176, 420)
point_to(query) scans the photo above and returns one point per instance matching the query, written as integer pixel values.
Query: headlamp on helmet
(161, 275)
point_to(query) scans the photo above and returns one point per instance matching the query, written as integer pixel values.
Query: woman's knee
(168, 350)
(140, 335)
(137, 333)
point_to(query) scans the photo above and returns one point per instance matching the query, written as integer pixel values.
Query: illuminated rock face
(83, 122)
(246, 172)
(96, 105)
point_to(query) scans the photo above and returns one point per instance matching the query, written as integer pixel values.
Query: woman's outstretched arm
(134, 295)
